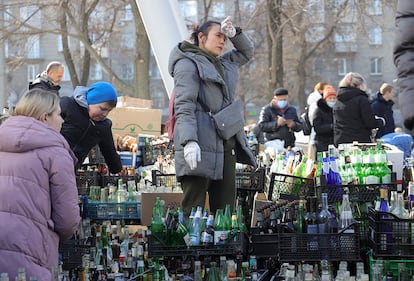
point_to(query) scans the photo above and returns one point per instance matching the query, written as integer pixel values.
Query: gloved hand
(227, 28)
(380, 118)
(192, 154)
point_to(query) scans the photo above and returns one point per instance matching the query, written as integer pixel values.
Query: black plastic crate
(71, 254)
(113, 180)
(160, 179)
(251, 181)
(157, 248)
(390, 236)
(357, 192)
(342, 246)
(111, 210)
(86, 179)
(289, 187)
(263, 245)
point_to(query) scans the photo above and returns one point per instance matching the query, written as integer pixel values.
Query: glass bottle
(227, 216)
(346, 217)
(212, 273)
(253, 268)
(319, 157)
(371, 175)
(400, 229)
(223, 268)
(157, 224)
(311, 222)
(324, 215)
(300, 218)
(207, 235)
(197, 271)
(333, 177)
(221, 231)
(386, 231)
(194, 230)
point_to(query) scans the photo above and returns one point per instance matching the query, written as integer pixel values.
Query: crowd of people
(45, 138)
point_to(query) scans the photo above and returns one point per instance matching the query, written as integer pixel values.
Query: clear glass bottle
(324, 215)
(197, 271)
(346, 217)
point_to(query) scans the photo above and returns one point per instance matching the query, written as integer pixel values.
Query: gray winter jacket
(404, 59)
(195, 79)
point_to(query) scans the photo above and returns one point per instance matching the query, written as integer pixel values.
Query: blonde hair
(37, 102)
(385, 88)
(353, 79)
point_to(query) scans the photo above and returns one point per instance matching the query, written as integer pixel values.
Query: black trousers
(220, 192)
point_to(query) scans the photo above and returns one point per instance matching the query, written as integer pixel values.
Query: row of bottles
(354, 165)
(201, 228)
(21, 276)
(323, 271)
(304, 216)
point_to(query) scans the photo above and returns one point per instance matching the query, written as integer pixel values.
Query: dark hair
(204, 28)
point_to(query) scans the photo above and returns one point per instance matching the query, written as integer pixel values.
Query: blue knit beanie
(100, 92)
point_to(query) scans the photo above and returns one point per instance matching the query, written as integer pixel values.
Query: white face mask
(331, 103)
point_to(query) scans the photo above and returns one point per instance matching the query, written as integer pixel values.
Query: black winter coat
(268, 124)
(45, 84)
(404, 59)
(83, 134)
(353, 117)
(383, 108)
(323, 126)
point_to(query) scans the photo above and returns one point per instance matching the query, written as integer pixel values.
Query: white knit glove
(227, 28)
(192, 154)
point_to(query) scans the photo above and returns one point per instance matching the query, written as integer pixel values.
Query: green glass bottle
(300, 221)
(157, 224)
(212, 273)
(221, 231)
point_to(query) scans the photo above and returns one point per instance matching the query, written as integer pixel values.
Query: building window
(31, 16)
(218, 11)
(127, 40)
(315, 33)
(189, 11)
(6, 48)
(32, 71)
(249, 6)
(66, 75)
(345, 34)
(375, 36)
(33, 47)
(128, 13)
(319, 67)
(59, 43)
(375, 8)
(127, 71)
(316, 9)
(343, 66)
(96, 72)
(376, 66)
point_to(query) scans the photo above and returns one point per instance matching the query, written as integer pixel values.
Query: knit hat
(281, 92)
(328, 91)
(100, 92)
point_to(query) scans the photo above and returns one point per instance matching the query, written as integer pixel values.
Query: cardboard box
(148, 201)
(125, 101)
(133, 121)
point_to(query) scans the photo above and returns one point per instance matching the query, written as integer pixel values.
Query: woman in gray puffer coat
(204, 162)
(404, 59)
(38, 194)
